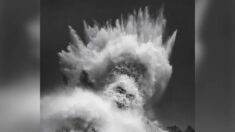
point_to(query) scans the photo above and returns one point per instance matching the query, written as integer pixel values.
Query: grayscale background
(177, 106)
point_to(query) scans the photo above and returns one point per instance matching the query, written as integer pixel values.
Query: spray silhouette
(113, 75)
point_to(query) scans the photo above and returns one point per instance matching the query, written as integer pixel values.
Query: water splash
(77, 109)
(139, 37)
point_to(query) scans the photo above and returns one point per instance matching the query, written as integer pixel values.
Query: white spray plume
(138, 37)
(58, 110)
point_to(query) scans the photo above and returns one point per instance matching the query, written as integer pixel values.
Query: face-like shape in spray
(123, 89)
(124, 93)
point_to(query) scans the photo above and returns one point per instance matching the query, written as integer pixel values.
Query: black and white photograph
(117, 66)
